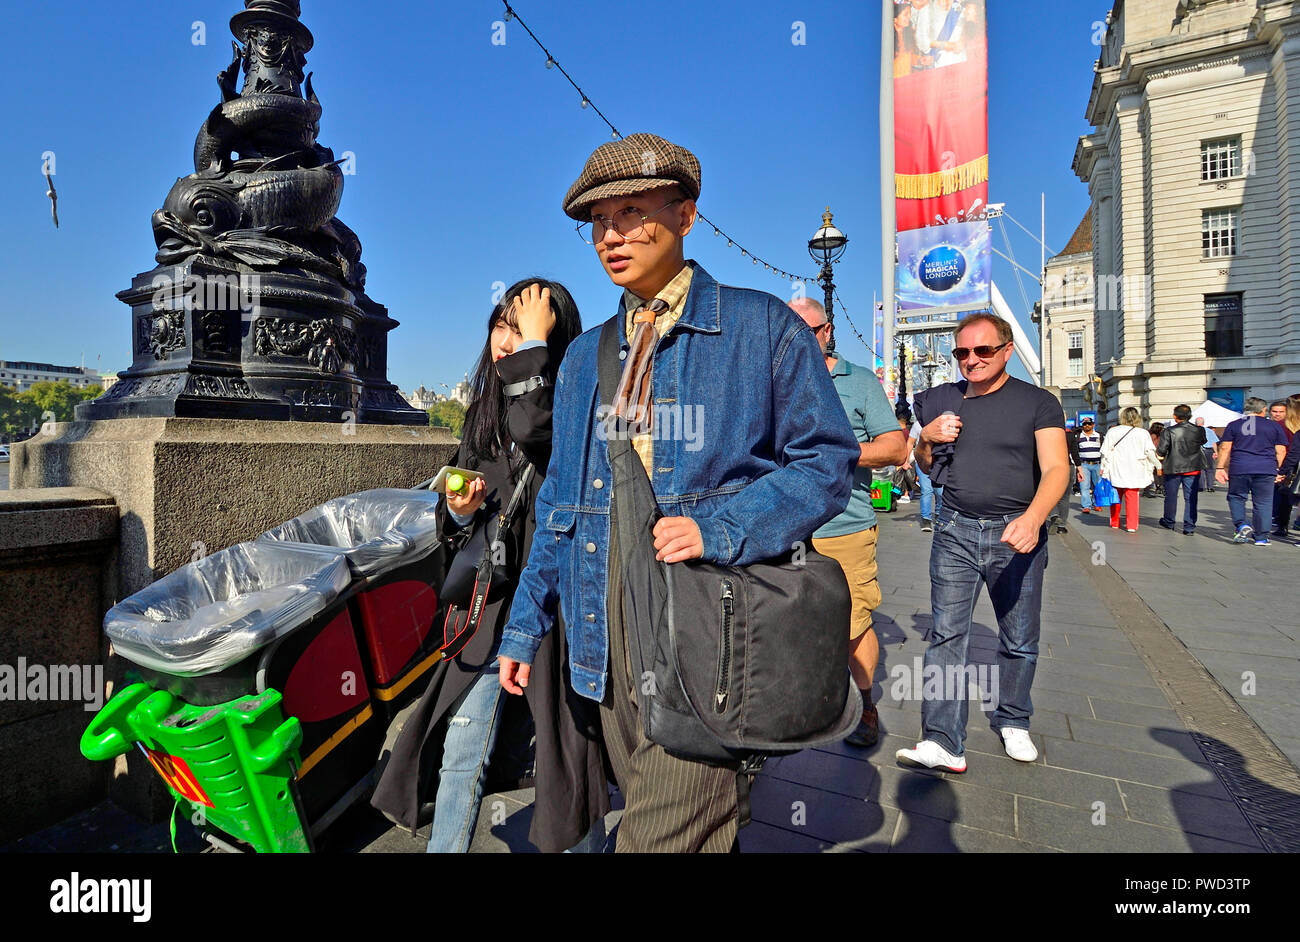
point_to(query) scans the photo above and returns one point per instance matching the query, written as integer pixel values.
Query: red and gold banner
(941, 152)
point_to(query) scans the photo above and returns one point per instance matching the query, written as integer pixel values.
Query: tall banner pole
(938, 164)
(888, 192)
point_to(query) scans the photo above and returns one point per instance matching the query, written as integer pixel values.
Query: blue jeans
(471, 734)
(931, 496)
(1260, 489)
(1091, 475)
(1190, 485)
(967, 553)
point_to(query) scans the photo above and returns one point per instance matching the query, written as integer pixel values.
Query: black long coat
(570, 766)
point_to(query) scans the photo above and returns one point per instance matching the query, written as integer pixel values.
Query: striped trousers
(671, 805)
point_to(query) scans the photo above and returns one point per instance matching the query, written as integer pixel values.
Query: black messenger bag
(729, 662)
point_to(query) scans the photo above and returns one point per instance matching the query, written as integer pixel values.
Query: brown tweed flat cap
(637, 163)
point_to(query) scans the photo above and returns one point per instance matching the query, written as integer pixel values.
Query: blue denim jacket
(751, 442)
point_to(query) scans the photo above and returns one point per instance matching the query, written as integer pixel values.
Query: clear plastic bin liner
(377, 530)
(212, 613)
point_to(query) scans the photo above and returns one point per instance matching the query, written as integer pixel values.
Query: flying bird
(54, 197)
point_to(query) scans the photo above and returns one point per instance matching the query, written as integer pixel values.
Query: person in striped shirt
(1089, 463)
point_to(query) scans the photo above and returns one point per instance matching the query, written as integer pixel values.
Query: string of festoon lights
(615, 134)
(858, 333)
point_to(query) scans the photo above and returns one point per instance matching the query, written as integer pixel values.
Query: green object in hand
(455, 482)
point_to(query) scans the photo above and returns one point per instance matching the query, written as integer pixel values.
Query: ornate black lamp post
(928, 366)
(826, 246)
(257, 308)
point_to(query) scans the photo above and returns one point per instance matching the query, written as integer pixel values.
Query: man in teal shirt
(850, 538)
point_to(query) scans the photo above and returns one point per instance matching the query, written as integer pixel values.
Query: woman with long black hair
(449, 738)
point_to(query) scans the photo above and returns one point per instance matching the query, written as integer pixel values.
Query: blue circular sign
(942, 268)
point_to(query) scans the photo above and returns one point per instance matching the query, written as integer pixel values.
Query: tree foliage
(44, 401)
(449, 414)
(59, 398)
(16, 414)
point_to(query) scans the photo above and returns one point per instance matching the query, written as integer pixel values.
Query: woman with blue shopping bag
(1128, 464)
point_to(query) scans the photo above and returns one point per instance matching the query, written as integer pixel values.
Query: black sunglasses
(983, 352)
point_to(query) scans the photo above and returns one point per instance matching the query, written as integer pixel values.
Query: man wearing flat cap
(770, 458)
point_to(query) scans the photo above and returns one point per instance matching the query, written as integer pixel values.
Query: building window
(1221, 159)
(1223, 333)
(1218, 233)
(1074, 353)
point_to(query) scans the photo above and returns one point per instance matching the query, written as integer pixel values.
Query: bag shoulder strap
(515, 498)
(607, 359)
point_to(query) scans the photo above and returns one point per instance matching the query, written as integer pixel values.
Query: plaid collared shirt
(674, 295)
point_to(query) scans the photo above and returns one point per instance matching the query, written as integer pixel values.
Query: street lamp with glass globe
(928, 367)
(826, 246)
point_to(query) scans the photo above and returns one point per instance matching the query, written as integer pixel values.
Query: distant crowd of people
(1255, 456)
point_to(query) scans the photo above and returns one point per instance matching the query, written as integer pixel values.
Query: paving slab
(1112, 711)
(1078, 831)
(1194, 814)
(821, 814)
(1172, 743)
(1181, 774)
(925, 835)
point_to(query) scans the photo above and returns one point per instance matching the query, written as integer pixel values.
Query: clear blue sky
(464, 148)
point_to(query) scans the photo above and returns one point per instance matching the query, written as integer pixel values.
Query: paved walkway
(1142, 744)
(1112, 747)
(1118, 771)
(1235, 606)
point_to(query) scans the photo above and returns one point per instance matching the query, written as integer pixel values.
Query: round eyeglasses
(628, 223)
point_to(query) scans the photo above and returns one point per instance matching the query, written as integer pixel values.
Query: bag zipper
(723, 688)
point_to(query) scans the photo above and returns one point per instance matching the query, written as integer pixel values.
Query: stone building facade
(20, 375)
(1068, 349)
(1193, 169)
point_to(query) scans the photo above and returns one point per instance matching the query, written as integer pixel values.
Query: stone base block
(46, 778)
(188, 487)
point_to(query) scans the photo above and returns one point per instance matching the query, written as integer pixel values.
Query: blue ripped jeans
(475, 719)
(968, 553)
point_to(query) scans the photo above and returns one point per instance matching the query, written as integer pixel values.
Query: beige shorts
(856, 554)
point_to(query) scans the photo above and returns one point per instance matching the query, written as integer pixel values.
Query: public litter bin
(884, 493)
(390, 540)
(253, 619)
(235, 763)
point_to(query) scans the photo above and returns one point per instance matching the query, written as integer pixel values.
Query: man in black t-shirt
(997, 447)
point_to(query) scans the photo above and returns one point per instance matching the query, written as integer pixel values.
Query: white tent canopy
(1215, 415)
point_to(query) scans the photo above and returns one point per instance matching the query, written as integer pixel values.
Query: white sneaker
(929, 754)
(905, 499)
(1018, 744)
